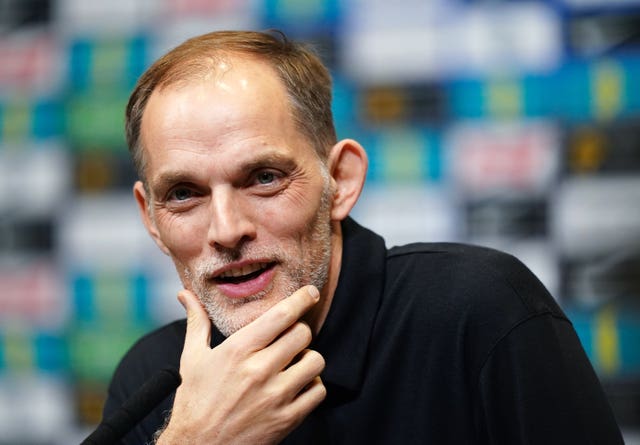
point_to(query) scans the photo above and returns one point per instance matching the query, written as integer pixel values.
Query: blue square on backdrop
(300, 17)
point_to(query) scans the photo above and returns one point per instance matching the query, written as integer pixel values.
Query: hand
(256, 386)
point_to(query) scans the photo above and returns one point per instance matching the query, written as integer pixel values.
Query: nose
(231, 221)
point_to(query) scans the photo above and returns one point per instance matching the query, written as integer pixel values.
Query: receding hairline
(203, 67)
(225, 62)
(294, 64)
(211, 68)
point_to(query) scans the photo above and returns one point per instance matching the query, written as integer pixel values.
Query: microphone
(135, 408)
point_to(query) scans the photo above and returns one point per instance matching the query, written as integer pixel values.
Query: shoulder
(456, 256)
(470, 274)
(459, 297)
(449, 289)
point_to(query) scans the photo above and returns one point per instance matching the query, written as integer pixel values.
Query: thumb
(198, 323)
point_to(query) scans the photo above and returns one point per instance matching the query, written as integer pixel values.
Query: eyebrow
(168, 178)
(269, 159)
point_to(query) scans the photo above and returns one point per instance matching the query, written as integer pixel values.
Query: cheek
(289, 217)
(297, 208)
(183, 236)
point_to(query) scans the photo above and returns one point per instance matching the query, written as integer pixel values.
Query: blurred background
(513, 124)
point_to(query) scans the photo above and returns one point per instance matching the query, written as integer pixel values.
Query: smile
(241, 274)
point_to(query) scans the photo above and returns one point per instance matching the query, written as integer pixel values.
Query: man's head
(235, 189)
(306, 79)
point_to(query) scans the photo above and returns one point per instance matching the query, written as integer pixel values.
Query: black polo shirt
(427, 344)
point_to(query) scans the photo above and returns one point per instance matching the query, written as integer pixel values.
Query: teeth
(241, 271)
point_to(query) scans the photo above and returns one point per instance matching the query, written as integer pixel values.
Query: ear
(348, 164)
(140, 195)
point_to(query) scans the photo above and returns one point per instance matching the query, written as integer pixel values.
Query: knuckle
(288, 417)
(233, 349)
(236, 353)
(192, 319)
(255, 373)
(194, 323)
(322, 391)
(304, 332)
(317, 360)
(285, 312)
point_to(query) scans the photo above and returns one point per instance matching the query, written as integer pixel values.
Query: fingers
(307, 400)
(256, 335)
(284, 350)
(314, 393)
(198, 324)
(259, 377)
(303, 373)
(266, 328)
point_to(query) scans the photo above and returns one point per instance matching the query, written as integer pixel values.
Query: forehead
(241, 102)
(246, 81)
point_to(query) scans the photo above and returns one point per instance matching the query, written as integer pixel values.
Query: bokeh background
(513, 124)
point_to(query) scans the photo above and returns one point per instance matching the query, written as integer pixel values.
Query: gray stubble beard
(315, 271)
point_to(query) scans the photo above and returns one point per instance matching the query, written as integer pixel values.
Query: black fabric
(429, 344)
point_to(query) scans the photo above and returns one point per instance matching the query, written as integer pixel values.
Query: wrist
(167, 436)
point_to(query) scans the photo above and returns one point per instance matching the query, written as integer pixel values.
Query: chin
(236, 316)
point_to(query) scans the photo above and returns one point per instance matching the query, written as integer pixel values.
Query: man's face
(236, 195)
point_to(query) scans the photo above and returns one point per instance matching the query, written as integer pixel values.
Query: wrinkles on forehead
(230, 74)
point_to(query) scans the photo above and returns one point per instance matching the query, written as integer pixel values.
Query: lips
(243, 273)
(244, 280)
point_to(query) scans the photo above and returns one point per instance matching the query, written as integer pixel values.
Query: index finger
(266, 328)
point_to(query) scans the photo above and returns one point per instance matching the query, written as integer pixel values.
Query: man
(301, 327)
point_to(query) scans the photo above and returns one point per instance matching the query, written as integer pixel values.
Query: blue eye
(181, 194)
(266, 177)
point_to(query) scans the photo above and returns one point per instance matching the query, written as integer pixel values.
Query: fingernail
(313, 291)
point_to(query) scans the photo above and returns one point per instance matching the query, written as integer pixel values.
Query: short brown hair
(306, 79)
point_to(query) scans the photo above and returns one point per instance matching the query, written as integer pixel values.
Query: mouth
(242, 274)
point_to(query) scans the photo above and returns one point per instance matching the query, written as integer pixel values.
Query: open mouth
(242, 274)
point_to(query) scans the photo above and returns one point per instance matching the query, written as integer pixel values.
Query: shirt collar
(343, 340)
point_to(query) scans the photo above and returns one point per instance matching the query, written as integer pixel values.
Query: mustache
(208, 267)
